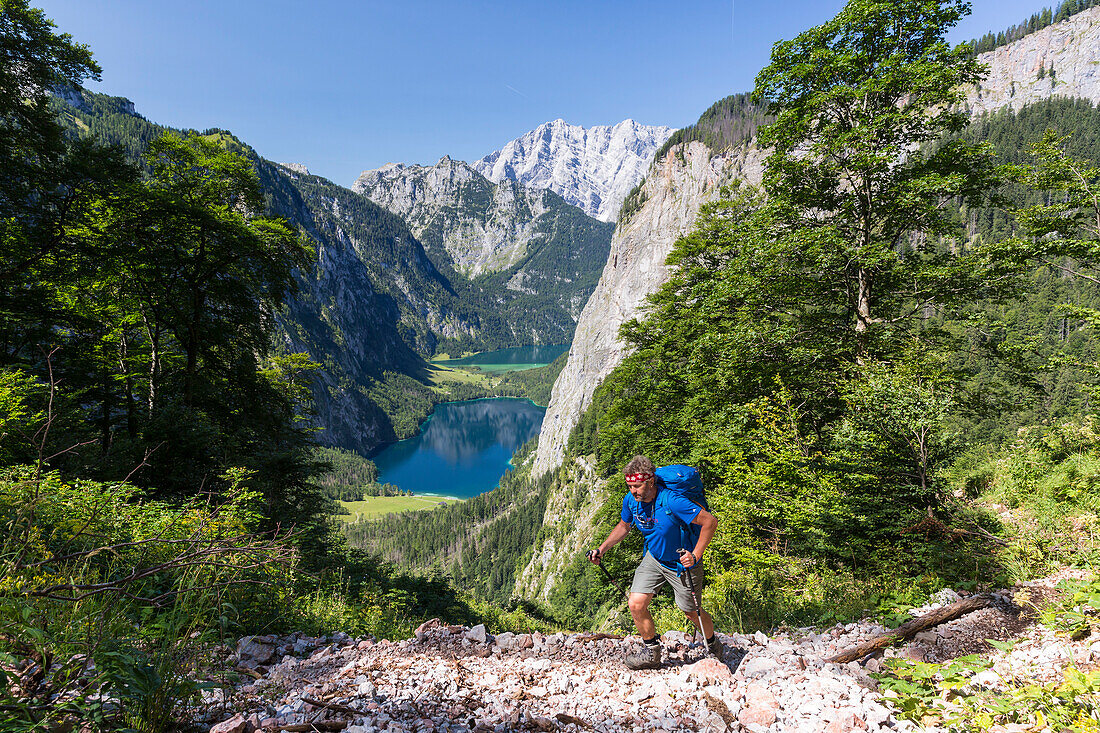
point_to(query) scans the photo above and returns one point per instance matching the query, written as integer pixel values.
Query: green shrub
(107, 601)
(945, 696)
(1044, 487)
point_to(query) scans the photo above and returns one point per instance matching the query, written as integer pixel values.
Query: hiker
(668, 521)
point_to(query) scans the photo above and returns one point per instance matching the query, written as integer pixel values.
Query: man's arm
(708, 523)
(620, 530)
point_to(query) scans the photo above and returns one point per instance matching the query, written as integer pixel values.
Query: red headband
(638, 477)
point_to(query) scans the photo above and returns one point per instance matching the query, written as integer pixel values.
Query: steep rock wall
(677, 185)
(483, 226)
(590, 167)
(1068, 53)
(1071, 48)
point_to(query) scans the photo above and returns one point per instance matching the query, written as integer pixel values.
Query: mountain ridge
(593, 168)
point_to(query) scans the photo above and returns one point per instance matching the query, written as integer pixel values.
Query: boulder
(423, 629)
(708, 671)
(757, 715)
(236, 724)
(757, 666)
(253, 651)
(846, 723)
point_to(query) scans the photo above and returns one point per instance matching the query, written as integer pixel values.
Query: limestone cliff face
(483, 226)
(532, 255)
(1068, 53)
(677, 185)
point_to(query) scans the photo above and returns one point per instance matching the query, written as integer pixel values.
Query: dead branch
(910, 629)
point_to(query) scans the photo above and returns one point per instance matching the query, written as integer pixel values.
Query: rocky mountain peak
(298, 168)
(592, 168)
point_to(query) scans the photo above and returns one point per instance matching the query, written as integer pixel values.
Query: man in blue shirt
(668, 522)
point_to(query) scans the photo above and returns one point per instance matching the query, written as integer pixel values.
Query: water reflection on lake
(463, 449)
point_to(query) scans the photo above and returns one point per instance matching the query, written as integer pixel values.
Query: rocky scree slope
(593, 168)
(453, 678)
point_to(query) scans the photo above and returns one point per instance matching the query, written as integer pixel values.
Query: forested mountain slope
(576, 513)
(373, 305)
(659, 211)
(1069, 47)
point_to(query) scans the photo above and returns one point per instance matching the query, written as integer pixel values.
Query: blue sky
(347, 85)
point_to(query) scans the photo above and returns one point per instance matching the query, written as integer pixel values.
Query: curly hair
(639, 464)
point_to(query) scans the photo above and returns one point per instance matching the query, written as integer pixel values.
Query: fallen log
(911, 628)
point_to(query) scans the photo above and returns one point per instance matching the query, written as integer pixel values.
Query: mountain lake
(509, 360)
(463, 448)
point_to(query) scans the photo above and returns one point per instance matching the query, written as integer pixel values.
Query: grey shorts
(651, 575)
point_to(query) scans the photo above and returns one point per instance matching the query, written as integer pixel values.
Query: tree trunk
(123, 365)
(154, 363)
(911, 628)
(863, 311)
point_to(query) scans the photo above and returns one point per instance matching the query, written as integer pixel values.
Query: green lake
(509, 360)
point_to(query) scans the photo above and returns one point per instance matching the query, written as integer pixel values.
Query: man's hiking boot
(716, 648)
(648, 658)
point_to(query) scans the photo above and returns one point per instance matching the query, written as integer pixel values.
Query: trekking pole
(698, 607)
(614, 582)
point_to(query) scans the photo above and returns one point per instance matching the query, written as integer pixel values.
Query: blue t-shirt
(659, 522)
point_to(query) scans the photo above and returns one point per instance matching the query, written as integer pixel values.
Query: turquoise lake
(463, 448)
(510, 360)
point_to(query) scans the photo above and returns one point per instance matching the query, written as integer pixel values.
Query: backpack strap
(686, 531)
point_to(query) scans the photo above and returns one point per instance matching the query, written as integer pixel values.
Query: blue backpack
(683, 481)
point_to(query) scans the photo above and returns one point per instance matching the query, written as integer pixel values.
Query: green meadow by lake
(372, 507)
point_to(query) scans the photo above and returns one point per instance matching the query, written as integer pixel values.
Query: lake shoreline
(500, 361)
(462, 449)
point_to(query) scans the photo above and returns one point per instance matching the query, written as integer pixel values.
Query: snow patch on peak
(593, 168)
